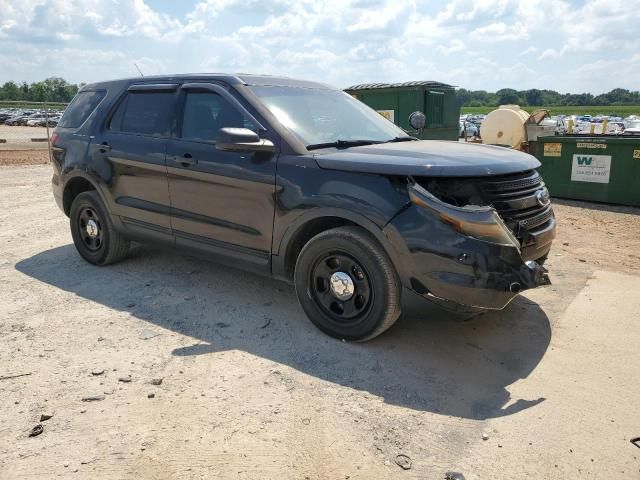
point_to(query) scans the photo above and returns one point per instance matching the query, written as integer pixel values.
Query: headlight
(482, 223)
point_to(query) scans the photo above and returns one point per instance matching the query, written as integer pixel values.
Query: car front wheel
(347, 285)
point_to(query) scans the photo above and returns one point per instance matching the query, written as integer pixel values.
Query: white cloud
(499, 32)
(486, 44)
(552, 53)
(529, 51)
(378, 18)
(472, 10)
(74, 19)
(456, 45)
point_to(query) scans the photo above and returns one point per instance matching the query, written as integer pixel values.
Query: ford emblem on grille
(542, 196)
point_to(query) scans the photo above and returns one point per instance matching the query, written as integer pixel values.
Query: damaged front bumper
(464, 259)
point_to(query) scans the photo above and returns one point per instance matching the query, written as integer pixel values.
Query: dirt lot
(16, 147)
(24, 157)
(18, 138)
(251, 390)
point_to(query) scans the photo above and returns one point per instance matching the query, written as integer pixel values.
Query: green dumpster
(599, 169)
(396, 101)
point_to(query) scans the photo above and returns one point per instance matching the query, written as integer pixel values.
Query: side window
(145, 113)
(80, 108)
(205, 113)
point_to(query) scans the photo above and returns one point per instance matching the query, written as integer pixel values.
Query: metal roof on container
(424, 83)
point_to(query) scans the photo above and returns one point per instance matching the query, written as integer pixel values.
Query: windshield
(318, 116)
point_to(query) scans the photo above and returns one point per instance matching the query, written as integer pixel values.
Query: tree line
(55, 89)
(52, 89)
(538, 98)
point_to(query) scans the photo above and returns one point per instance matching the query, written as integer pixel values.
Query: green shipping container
(396, 101)
(599, 169)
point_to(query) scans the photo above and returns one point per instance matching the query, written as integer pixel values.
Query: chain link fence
(25, 129)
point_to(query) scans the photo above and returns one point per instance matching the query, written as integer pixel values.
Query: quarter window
(144, 113)
(80, 108)
(205, 113)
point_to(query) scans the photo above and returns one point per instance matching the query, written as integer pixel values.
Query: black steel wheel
(341, 287)
(347, 284)
(92, 230)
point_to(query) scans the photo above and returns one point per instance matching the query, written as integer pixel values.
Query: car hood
(427, 158)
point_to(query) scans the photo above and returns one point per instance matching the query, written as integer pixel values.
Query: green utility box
(599, 169)
(396, 101)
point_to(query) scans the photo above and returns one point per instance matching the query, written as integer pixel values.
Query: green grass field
(37, 105)
(619, 110)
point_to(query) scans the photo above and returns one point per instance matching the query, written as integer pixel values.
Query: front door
(222, 202)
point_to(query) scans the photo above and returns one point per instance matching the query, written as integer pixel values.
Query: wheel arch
(316, 221)
(74, 185)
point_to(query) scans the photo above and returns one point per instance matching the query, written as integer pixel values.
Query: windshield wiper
(342, 144)
(403, 139)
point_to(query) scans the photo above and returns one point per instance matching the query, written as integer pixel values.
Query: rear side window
(144, 113)
(80, 108)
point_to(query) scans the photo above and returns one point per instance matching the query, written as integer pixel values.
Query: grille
(514, 197)
(539, 219)
(533, 180)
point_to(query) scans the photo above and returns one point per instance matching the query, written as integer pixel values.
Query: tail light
(57, 153)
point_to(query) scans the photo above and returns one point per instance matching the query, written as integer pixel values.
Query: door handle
(103, 147)
(185, 160)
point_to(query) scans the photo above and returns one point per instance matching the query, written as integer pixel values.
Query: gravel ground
(19, 138)
(164, 366)
(605, 236)
(24, 157)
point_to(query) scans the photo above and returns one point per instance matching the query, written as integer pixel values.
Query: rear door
(134, 141)
(222, 202)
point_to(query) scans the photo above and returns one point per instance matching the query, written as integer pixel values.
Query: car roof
(232, 79)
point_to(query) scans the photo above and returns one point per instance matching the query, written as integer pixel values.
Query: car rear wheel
(347, 285)
(92, 230)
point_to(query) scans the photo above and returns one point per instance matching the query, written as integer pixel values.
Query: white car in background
(615, 128)
(469, 129)
(632, 128)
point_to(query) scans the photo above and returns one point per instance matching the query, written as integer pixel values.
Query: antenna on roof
(138, 68)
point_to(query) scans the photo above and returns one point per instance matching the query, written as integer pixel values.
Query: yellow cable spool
(505, 126)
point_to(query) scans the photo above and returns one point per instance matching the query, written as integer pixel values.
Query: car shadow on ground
(426, 362)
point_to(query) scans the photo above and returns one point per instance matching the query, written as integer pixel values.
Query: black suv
(302, 182)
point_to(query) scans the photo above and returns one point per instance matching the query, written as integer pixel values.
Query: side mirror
(417, 120)
(242, 140)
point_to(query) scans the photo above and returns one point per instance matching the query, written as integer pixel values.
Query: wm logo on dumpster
(591, 168)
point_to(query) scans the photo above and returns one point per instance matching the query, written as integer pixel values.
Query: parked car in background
(557, 123)
(15, 120)
(4, 116)
(632, 128)
(29, 117)
(34, 121)
(43, 122)
(615, 128)
(468, 129)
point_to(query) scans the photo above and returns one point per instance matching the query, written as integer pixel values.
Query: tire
(92, 230)
(374, 302)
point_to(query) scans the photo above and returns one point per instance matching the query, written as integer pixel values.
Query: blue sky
(569, 46)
